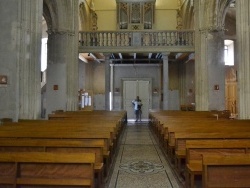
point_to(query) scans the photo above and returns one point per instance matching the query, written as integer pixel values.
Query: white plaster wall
(99, 78)
(174, 101)
(137, 71)
(99, 102)
(99, 86)
(81, 71)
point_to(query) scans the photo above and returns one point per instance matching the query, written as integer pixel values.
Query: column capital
(165, 55)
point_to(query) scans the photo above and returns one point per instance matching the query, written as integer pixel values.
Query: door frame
(137, 79)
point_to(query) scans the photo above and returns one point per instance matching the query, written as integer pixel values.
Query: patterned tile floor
(139, 162)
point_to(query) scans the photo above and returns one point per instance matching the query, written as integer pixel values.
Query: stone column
(216, 70)
(243, 57)
(30, 59)
(209, 64)
(165, 81)
(62, 72)
(107, 81)
(201, 73)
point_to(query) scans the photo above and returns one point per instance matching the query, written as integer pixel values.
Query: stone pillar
(243, 57)
(216, 70)
(30, 59)
(201, 69)
(165, 81)
(107, 81)
(20, 54)
(62, 72)
(209, 64)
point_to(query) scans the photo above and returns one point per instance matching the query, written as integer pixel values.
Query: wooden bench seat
(174, 129)
(225, 171)
(218, 129)
(76, 125)
(194, 162)
(180, 138)
(47, 169)
(60, 146)
(195, 149)
(70, 134)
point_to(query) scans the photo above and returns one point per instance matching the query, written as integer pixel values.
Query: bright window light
(44, 54)
(229, 52)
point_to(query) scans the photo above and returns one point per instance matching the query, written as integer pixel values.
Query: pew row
(225, 171)
(195, 149)
(22, 169)
(61, 146)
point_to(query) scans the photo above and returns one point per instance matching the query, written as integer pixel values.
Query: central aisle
(140, 163)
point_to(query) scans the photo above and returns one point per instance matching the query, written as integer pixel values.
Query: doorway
(133, 88)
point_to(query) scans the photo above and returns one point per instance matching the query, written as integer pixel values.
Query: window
(229, 52)
(44, 54)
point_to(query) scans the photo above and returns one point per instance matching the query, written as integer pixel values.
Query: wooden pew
(79, 124)
(67, 126)
(66, 134)
(195, 149)
(60, 146)
(180, 138)
(120, 116)
(177, 128)
(226, 171)
(216, 129)
(61, 130)
(47, 169)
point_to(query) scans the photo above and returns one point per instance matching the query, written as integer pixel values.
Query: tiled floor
(140, 162)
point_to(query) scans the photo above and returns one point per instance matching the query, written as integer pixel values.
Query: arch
(215, 12)
(83, 17)
(57, 14)
(187, 14)
(50, 14)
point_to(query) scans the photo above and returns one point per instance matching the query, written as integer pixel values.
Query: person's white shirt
(136, 104)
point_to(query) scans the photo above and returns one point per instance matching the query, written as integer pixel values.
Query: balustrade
(139, 38)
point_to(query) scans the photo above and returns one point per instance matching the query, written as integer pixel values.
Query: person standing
(137, 108)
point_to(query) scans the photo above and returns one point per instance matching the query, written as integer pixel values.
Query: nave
(139, 161)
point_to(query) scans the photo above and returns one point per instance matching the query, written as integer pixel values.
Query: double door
(131, 89)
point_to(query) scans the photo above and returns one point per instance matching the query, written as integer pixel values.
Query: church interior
(70, 70)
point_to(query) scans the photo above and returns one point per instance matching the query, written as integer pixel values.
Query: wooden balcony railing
(180, 38)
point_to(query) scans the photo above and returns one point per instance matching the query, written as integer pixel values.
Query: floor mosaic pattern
(140, 163)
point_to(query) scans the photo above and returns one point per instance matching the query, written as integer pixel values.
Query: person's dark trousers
(137, 114)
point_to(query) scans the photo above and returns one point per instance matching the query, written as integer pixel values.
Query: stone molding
(60, 32)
